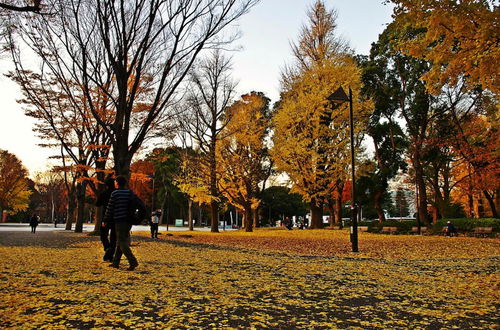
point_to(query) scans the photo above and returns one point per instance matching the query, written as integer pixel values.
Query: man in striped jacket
(117, 211)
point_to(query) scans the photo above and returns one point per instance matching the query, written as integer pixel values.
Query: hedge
(463, 225)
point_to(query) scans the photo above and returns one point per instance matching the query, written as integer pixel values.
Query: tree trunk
(247, 219)
(316, 215)
(491, 202)
(422, 196)
(470, 200)
(338, 209)
(331, 210)
(71, 211)
(164, 205)
(214, 212)
(100, 189)
(377, 205)
(255, 217)
(435, 214)
(80, 194)
(122, 159)
(98, 219)
(190, 214)
(497, 197)
(480, 207)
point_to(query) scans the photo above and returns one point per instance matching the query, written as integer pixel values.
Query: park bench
(483, 231)
(389, 230)
(362, 228)
(414, 230)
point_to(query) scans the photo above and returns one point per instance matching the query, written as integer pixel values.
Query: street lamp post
(339, 96)
(153, 194)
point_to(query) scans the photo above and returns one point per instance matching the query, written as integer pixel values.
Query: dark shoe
(132, 267)
(114, 266)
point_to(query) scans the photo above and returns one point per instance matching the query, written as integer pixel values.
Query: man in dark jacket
(108, 233)
(118, 211)
(34, 223)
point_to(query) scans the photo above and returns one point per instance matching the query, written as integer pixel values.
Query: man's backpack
(136, 210)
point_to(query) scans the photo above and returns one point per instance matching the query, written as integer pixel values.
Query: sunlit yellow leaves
(237, 282)
(336, 243)
(14, 191)
(461, 39)
(241, 154)
(311, 138)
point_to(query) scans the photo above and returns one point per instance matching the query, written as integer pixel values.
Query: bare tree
(64, 121)
(211, 93)
(123, 48)
(34, 6)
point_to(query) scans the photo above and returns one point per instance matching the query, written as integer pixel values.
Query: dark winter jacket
(34, 221)
(117, 210)
(103, 201)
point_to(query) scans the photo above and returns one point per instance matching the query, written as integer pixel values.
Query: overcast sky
(266, 35)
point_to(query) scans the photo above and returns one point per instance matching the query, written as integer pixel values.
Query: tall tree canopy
(461, 39)
(242, 154)
(135, 52)
(14, 190)
(311, 138)
(211, 93)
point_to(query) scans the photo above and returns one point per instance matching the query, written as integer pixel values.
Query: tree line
(115, 78)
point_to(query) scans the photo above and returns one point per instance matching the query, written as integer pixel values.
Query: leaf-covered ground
(267, 279)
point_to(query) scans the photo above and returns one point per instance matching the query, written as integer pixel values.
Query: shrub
(463, 225)
(468, 224)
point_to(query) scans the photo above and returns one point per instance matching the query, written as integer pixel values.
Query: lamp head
(339, 96)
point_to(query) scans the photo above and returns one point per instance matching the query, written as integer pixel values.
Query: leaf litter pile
(266, 279)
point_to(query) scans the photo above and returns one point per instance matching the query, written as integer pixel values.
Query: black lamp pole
(340, 96)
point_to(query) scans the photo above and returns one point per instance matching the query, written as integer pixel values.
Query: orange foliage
(141, 179)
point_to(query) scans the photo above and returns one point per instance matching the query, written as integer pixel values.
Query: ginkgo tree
(14, 190)
(311, 135)
(242, 153)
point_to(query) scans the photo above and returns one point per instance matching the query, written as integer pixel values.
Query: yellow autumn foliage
(182, 282)
(242, 151)
(314, 154)
(460, 38)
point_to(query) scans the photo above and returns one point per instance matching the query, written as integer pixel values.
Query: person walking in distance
(34, 222)
(155, 219)
(108, 233)
(118, 211)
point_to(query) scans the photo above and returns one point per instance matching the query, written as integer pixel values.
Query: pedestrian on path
(108, 232)
(34, 222)
(155, 220)
(118, 212)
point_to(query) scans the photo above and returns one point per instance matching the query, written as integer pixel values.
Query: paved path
(86, 227)
(19, 234)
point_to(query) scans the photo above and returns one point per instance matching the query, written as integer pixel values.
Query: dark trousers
(123, 244)
(154, 230)
(105, 236)
(33, 229)
(108, 239)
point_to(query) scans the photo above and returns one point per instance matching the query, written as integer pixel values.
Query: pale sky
(266, 35)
